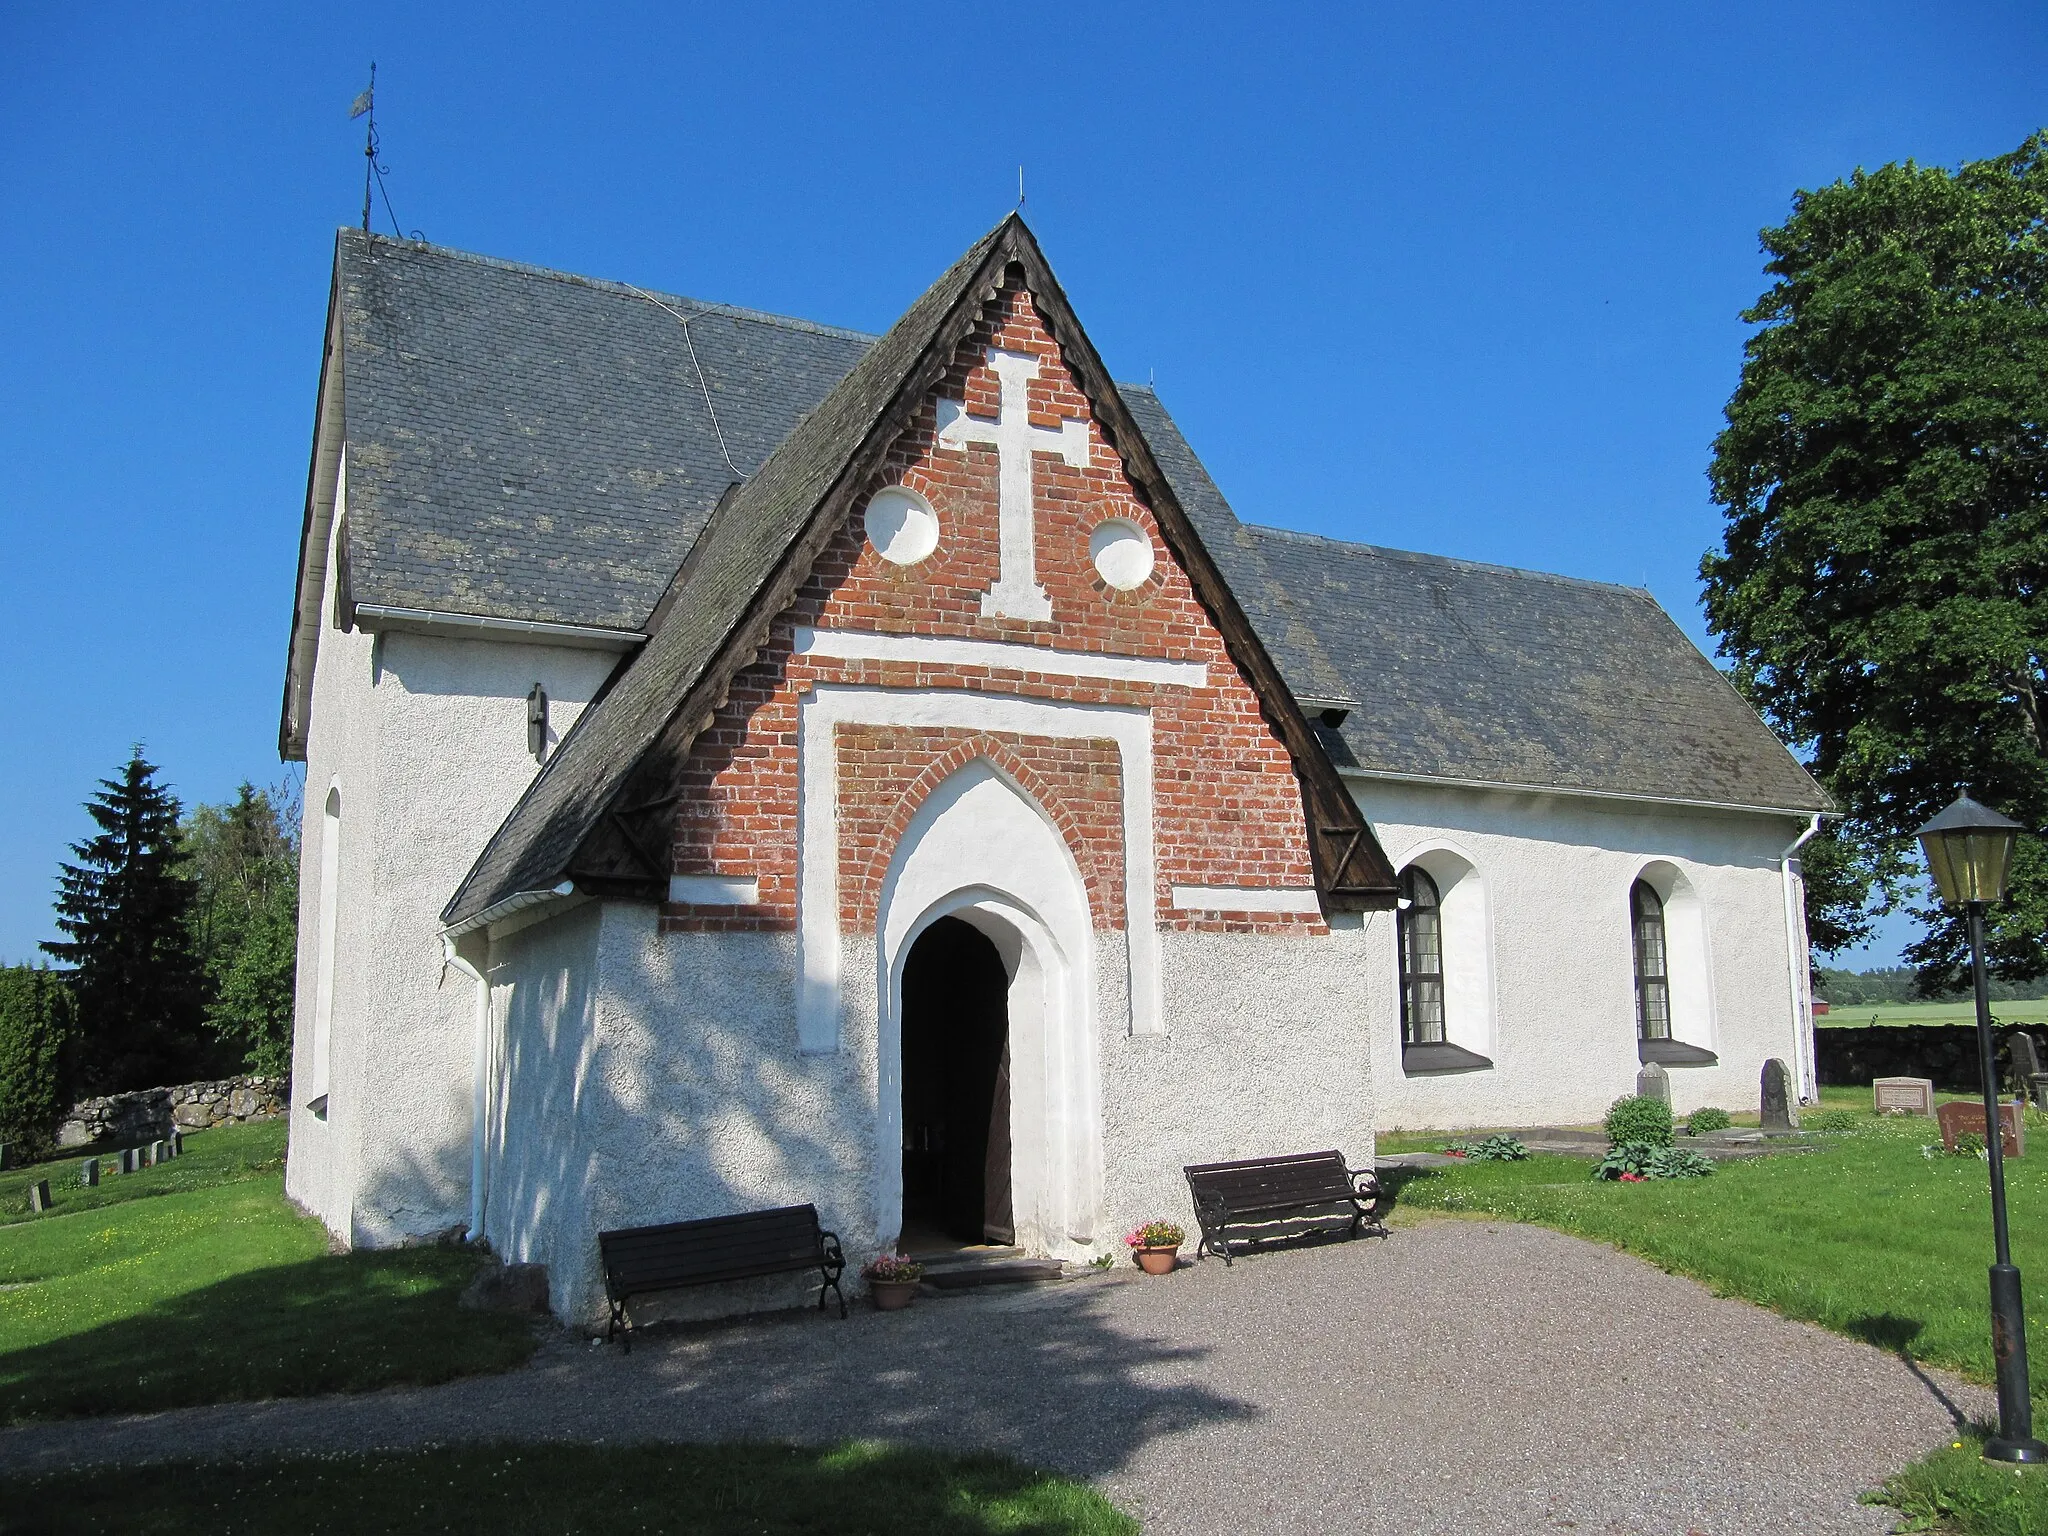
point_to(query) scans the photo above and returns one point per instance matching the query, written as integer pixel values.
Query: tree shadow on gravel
(1895, 1335)
(1046, 1376)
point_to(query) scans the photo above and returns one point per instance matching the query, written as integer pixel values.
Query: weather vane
(365, 106)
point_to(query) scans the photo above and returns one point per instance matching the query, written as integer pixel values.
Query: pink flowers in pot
(1156, 1234)
(892, 1269)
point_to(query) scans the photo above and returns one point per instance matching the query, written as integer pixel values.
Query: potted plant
(892, 1280)
(1156, 1246)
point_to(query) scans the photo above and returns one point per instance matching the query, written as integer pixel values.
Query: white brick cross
(1016, 593)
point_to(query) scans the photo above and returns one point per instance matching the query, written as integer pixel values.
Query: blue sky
(1452, 278)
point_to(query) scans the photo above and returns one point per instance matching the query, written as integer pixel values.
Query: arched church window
(1653, 965)
(1420, 919)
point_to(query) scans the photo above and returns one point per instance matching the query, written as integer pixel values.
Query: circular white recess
(901, 525)
(1122, 554)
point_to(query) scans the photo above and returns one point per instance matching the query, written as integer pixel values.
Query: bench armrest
(1367, 1189)
(828, 1242)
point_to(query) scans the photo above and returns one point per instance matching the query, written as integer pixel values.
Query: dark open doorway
(956, 1087)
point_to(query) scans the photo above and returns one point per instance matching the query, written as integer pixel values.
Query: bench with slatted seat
(1265, 1191)
(639, 1261)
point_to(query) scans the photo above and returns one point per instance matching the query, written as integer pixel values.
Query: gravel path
(1458, 1378)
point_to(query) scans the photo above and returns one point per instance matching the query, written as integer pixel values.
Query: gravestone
(130, 1159)
(39, 1196)
(176, 1144)
(1653, 1082)
(1902, 1095)
(1778, 1113)
(89, 1173)
(1965, 1117)
(2027, 1082)
(6, 1155)
(156, 1153)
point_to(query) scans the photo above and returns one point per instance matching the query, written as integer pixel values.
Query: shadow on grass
(339, 1323)
(711, 1489)
(715, 1490)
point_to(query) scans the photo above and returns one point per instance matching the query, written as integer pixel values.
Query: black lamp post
(1969, 849)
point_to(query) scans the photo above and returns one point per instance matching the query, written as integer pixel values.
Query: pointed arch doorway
(956, 1089)
(989, 1123)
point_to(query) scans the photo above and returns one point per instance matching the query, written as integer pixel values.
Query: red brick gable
(1227, 805)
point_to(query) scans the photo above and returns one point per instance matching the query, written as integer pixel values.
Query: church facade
(751, 763)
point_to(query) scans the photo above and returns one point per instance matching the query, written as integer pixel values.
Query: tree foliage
(126, 909)
(35, 1027)
(1884, 479)
(245, 858)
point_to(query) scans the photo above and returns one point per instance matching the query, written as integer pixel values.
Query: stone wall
(1946, 1053)
(148, 1114)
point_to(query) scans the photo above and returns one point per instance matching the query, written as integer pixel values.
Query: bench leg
(831, 1284)
(620, 1325)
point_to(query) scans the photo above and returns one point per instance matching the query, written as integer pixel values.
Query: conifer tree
(126, 910)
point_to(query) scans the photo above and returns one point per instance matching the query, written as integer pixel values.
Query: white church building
(752, 763)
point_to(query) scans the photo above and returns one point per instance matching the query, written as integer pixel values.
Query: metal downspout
(479, 1092)
(1798, 967)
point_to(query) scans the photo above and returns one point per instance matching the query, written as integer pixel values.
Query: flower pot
(891, 1295)
(1158, 1261)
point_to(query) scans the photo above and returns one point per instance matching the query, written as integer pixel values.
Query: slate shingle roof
(1485, 673)
(526, 444)
(531, 445)
(737, 553)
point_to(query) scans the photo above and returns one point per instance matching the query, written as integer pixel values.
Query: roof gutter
(429, 621)
(1501, 785)
(498, 911)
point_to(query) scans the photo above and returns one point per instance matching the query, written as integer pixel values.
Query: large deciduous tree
(126, 909)
(1884, 475)
(245, 857)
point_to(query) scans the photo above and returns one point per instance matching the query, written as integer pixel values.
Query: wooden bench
(1262, 1190)
(641, 1260)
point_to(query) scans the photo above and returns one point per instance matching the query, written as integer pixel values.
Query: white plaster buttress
(1016, 594)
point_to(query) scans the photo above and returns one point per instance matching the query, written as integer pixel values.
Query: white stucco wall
(1556, 872)
(425, 737)
(677, 1089)
(1267, 1050)
(540, 1163)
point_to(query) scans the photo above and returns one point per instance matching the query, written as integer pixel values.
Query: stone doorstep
(988, 1266)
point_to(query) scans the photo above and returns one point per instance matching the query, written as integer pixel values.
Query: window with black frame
(1420, 918)
(1653, 967)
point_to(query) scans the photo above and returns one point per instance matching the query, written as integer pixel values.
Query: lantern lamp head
(1969, 851)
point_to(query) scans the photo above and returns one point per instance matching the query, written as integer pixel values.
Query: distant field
(1845, 1017)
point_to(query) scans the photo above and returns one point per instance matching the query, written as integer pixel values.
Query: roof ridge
(1423, 556)
(616, 286)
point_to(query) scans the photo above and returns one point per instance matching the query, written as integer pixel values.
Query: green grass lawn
(211, 1157)
(848, 1490)
(1844, 1016)
(197, 1283)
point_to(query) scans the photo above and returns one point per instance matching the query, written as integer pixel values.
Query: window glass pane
(1422, 965)
(1653, 980)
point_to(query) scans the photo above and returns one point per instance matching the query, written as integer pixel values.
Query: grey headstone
(176, 1144)
(89, 1172)
(39, 1195)
(1902, 1095)
(6, 1155)
(130, 1159)
(156, 1153)
(1778, 1114)
(1653, 1082)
